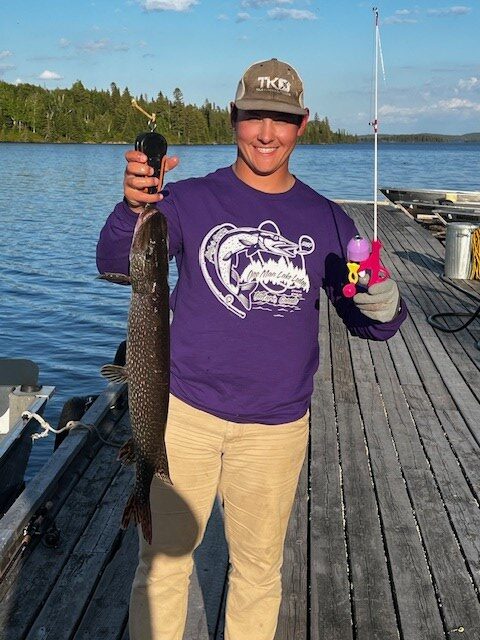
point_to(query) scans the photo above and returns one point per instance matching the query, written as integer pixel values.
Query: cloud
(449, 11)
(458, 106)
(263, 3)
(406, 16)
(5, 54)
(167, 5)
(399, 20)
(18, 81)
(469, 83)
(291, 14)
(400, 17)
(49, 75)
(94, 45)
(4, 68)
(222, 16)
(242, 17)
(64, 43)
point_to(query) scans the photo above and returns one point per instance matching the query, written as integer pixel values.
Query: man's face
(265, 139)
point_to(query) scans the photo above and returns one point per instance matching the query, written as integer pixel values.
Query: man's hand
(380, 302)
(139, 176)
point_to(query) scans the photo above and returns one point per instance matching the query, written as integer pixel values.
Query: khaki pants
(255, 469)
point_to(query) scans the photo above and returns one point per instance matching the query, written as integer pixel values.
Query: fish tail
(126, 455)
(140, 513)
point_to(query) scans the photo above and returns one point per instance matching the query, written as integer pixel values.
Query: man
(253, 246)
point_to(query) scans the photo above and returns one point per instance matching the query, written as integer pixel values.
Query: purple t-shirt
(244, 335)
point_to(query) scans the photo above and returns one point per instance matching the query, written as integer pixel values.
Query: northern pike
(147, 368)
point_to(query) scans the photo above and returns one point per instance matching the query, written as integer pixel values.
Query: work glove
(380, 302)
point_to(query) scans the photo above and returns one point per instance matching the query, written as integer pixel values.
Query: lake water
(54, 200)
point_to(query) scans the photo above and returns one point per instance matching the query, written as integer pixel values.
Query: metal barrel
(458, 251)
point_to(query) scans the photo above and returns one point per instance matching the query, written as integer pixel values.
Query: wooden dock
(384, 541)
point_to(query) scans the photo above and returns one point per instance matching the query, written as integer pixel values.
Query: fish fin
(140, 514)
(114, 373)
(126, 455)
(164, 476)
(116, 278)
(235, 277)
(162, 471)
(247, 288)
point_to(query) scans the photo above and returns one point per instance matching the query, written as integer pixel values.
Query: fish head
(277, 244)
(149, 250)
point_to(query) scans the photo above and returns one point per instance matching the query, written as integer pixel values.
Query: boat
(429, 205)
(450, 197)
(447, 214)
(19, 393)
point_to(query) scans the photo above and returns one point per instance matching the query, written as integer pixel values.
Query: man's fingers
(136, 198)
(138, 178)
(135, 156)
(134, 182)
(171, 162)
(138, 169)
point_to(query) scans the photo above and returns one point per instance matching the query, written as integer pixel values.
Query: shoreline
(232, 144)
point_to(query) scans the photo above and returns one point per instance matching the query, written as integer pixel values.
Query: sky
(430, 51)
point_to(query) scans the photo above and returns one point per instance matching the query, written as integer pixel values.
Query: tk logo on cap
(280, 84)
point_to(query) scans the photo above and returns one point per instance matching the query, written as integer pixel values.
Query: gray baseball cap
(271, 85)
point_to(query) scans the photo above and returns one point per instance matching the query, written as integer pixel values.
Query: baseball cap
(271, 85)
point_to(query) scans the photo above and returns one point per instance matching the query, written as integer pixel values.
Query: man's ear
(303, 124)
(233, 114)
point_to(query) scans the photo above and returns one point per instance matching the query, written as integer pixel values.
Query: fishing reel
(363, 256)
(154, 146)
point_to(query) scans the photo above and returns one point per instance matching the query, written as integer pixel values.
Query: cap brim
(270, 105)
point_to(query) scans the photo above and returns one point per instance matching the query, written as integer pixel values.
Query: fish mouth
(286, 248)
(281, 248)
(142, 219)
(144, 231)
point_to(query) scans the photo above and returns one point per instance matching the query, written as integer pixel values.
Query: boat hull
(432, 196)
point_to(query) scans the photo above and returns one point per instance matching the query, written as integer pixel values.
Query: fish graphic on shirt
(223, 247)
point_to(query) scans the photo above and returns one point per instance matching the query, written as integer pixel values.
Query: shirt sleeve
(336, 275)
(113, 247)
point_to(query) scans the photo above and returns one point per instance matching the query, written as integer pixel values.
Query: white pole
(375, 133)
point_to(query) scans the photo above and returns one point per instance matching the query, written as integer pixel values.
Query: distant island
(29, 113)
(423, 137)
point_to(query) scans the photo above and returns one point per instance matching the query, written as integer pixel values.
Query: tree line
(423, 137)
(30, 113)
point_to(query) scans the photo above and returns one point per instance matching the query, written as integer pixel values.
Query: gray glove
(380, 302)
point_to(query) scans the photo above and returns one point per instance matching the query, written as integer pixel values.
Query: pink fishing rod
(363, 257)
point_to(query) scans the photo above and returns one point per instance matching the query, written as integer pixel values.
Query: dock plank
(373, 607)
(330, 605)
(58, 618)
(414, 592)
(292, 620)
(106, 614)
(32, 581)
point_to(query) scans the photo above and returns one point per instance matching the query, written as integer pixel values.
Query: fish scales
(147, 368)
